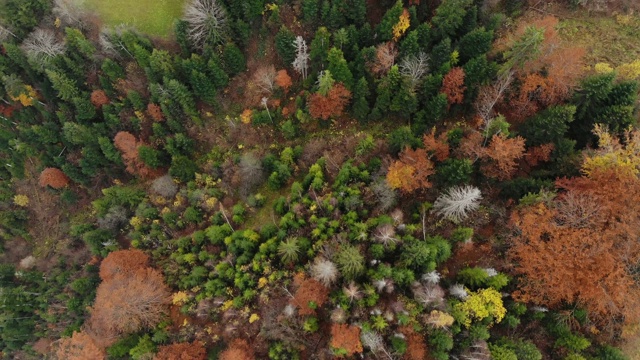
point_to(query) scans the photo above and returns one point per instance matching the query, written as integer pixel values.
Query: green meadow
(153, 17)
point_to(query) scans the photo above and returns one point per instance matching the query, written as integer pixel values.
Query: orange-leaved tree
(310, 291)
(347, 338)
(501, 156)
(129, 302)
(582, 247)
(182, 351)
(411, 171)
(283, 80)
(437, 147)
(53, 177)
(123, 262)
(239, 349)
(333, 104)
(99, 98)
(80, 346)
(453, 86)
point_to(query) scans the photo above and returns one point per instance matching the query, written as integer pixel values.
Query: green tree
(320, 45)
(183, 168)
(339, 68)
(233, 59)
(475, 43)
(310, 9)
(360, 101)
(285, 47)
(67, 89)
(389, 20)
(450, 16)
(549, 125)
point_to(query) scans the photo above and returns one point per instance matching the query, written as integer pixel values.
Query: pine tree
(67, 89)
(339, 68)
(320, 45)
(361, 104)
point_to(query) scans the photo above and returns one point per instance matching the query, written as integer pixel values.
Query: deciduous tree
(239, 349)
(331, 105)
(53, 177)
(453, 86)
(346, 338)
(182, 351)
(80, 346)
(411, 171)
(122, 262)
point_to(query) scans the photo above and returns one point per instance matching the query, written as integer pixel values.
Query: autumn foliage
(128, 146)
(411, 171)
(122, 262)
(453, 86)
(547, 79)
(499, 158)
(346, 337)
(438, 147)
(80, 346)
(283, 80)
(385, 58)
(182, 351)
(332, 105)
(155, 112)
(310, 290)
(130, 298)
(580, 248)
(99, 98)
(53, 177)
(239, 349)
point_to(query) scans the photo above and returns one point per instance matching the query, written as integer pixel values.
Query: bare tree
(385, 58)
(207, 21)
(301, 62)
(457, 202)
(4, 33)
(41, 46)
(265, 78)
(489, 97)
(68, 11)
(251, 173)
(414, 67)
(324, 271)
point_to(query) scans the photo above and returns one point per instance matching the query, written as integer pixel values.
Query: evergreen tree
(549, 125)
(285, 47)
(320, 45)
(356, 11)
(336, 17)
(67, 89)
(181, 29)
(450, 16)
(310, 9)
(410, 44)
(441, 56)
(475, 43)
(360, 102)
(389, 20)
(339, 68)
(233, 59)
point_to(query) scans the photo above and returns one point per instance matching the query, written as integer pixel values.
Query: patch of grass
(152, 17)
(613, 39)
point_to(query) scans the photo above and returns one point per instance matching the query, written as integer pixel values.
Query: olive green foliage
(350, 261)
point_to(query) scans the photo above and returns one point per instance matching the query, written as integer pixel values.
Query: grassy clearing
(612, 39)
(152, 17)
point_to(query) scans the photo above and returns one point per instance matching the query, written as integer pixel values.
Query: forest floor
(152, 17)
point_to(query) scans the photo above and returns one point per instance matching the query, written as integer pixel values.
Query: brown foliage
(324, 107)
(471, 146)
(439, 148)
(53, 177)
(238, 350)
(453, 86)
(80, 346)
(122, 262)
(411, 171)
(155, 112)
(502, 154)
(182, 351)
(308, 291)
(346, 337)
(416, 348)
(385, 58)
(549, 78)
(128, 303)
(128, 146)
(538, 154)
(283, 80)
(99, 98)
(581, 247)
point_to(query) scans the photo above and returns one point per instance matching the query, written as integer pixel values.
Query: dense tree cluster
(397, 179)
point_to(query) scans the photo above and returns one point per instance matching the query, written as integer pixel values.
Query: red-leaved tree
(239, 349)
(332, 105)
